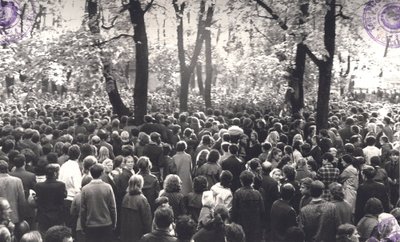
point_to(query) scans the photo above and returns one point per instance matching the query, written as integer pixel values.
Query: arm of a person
(21, 199)
(83, 211)
(113, 208)
(146, 217)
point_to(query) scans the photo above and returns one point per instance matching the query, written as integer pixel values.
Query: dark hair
(233, 149)
(51, 170)
(247, 178)
(225, 146)
(369, 172)
(213, 156)
(163, 217)
(375, 161)
(295, 234)
(373, 206)
(57, 234)
(74, 152)
(96, 170)
(394, 152)
(3, 166)
(200, 184)
(287, 191)
(234, 233)
(327, 156)
(316, 189)
(344, 231)
(336, 190)
(289, 172)
(370, 140)
(226, 178)
(181, 146)
(19, 160)
(185, 227)
(8, 145)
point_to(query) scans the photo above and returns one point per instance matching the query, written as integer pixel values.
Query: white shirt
(370, 151)
(71, 175)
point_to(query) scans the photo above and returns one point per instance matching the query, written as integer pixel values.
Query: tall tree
(187, 70)
(208, 55)
(117, 104)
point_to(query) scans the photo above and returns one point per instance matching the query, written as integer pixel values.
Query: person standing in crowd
(347, 233)
(222, 191)
(183, 162)
(370, 150)
(58, 233)
(343, 208)
(349, 179)
(50, 196)
(318, 219)
(366, 225)
(12, 189)
(234, 165)
(283, 214)
(155, 152)
(327, 173)
(392, 169)
(248, 208)
(98, 209)
(163, 218)
(172, 190)
(71, 175)
(151, 186)
(369, 189)
(211, 170)
(135, 212)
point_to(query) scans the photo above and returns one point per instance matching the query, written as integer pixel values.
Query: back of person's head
(234, 233)
(336, 190)
(375, 161)
(74, 152)
(327, 156)
(213, 156)
(181, 146)
(8, 145)
(200, 184)
(96, 170)
(369, 172)
(287, 191)
(225, 146)
(294, 234)
(233, 149)
(52, 170)
(144, 164)
(185, 227)
(349, 148)
(3, 166)
(32, 236)
(246, 178)
(19, 160)
(289, 172)
(20, 229)
(88, 162)
(135, 184)
(370, 140)
(316, 189)
(163, 217)
(373, 206)
(57, 233)
(226, 178)
(5, 235)
(345, 233)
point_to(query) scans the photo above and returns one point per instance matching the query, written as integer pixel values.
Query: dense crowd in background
(78, 171)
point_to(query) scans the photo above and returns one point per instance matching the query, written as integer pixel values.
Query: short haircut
(200, 184)
(233, 149)
(32, 236)
(369, 172)
(225, 146)
(185, 227)
(19, 160)
(163, 217)
(336, 190)
(287, 191)
(213, 156)
(5, 234)
(74, 152)
(370, 140)
(96, 170)
(316, 189)
(373, 206)
(327, 156)
(118, 161)
(289, 172)
(247, 178)
(375, 161)
(57, 233)
(226, 178)
(51, 170)
(234, 233)
(181, 146)
(344, 231)
(394, 152)
(3, 166)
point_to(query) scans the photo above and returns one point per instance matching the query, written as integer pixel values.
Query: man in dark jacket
(50, 196)
(234, 165)
(155, 152)
(283, 213)
(368, 189)
(163, 218)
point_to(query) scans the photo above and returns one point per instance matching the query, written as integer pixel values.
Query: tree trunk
(297, 79)
(142, 60)
(118, 105)
(186, 71)
(325, 67)
(208, 53)
(199, 73)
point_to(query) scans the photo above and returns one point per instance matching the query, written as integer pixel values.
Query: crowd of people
(81, 173)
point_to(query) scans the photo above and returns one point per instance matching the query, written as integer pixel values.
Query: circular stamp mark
(381, 20)
(17, 18)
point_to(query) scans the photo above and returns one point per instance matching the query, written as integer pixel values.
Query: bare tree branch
(113, 38)
(316, 61)
(340, 14)
(149, 5)
(112, 23)
(274, 16)
(264, 35)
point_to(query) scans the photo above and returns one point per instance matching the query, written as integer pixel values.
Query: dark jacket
(135, 217)
(151, 188)
(284, 217)
(270, 193)
(50, 202)
(248, 211)
(155, 154)
(235, 166)
(158, 236)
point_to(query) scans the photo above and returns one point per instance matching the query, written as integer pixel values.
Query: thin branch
(148, 6)
(262, 16)
(264, 35)
(274, 16)
(316, 61)
(113, 38)
(112, 23)
(340, 14)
